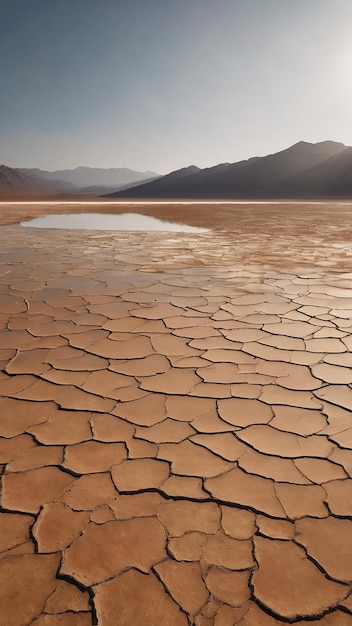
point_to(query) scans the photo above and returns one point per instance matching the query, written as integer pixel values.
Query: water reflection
(102, 221)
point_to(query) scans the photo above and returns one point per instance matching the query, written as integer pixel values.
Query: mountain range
(95, 181)
(305, 170)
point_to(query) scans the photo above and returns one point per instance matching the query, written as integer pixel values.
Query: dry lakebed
(176, 414)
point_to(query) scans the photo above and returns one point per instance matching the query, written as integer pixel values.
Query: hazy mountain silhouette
(15, 180)
(332, 177)
(94, 176)
(82, 180)
(303, 170)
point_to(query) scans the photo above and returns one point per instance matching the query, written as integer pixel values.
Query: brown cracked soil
(176, 420)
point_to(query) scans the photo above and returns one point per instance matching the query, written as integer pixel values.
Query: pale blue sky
(161, 84)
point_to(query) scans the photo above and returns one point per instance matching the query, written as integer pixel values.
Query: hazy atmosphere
(162, 84)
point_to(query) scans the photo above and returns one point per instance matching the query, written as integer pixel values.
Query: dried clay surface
(176, 420)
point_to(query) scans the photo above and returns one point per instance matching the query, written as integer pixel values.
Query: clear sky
(161, 84)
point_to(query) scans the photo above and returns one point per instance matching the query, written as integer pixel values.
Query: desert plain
(175, 417)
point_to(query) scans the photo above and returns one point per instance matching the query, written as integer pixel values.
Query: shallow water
(101, 221)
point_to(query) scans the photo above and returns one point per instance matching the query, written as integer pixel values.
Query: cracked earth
(175, 424)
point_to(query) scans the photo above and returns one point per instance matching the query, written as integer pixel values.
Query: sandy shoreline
(176, 426)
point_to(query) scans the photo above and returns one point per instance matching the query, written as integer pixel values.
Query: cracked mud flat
(175, 421)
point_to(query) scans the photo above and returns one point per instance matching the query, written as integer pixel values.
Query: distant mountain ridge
(83, 180)
(88, 176)
(305, 170)
(15, 180)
